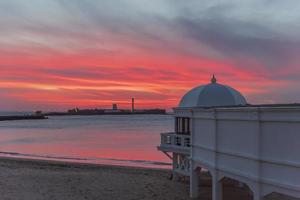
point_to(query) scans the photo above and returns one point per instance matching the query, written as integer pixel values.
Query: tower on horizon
(132, 105)
(114, 106)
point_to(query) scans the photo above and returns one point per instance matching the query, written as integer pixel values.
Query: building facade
(217, 130)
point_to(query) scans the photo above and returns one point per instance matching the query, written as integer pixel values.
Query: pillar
(257, 196)
(175, 164)
(194, 183)
(256, 191)
(217, 188)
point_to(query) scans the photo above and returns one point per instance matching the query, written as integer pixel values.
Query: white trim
(239, 118)
(174, 149)
(250, 157)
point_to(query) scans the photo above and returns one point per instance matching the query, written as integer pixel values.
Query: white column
(194, 183)
(256, 192)
(217, 188)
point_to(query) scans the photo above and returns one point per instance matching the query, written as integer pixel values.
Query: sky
(60, 54)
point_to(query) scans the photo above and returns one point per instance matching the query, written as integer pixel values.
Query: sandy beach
(23, 179)
(49, 180)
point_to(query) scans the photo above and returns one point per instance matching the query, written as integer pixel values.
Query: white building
(217, 130)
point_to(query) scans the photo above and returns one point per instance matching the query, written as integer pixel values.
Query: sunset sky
(58, 54)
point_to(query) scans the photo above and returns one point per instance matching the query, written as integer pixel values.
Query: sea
(126, 140)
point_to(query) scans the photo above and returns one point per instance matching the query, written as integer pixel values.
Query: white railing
(175, 140)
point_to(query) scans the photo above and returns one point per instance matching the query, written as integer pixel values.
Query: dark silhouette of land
(113, 111)
(24, 117)
(40, 115)
(77, 111)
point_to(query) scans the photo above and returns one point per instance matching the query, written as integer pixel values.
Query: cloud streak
(58, 54)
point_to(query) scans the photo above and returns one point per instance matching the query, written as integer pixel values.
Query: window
(182, 125)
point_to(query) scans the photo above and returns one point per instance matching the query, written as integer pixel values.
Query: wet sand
(22, 179)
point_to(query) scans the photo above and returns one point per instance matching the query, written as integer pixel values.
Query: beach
(22, 179)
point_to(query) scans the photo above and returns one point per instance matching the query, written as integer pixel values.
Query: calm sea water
(120, 140)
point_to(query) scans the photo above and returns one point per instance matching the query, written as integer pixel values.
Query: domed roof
(212, 95)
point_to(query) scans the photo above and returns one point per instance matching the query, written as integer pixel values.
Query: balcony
(177, 143)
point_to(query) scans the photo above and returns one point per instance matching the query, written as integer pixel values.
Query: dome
(212, 95)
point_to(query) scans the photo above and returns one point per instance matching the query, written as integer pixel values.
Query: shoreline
(148, 164)
(22, 179)
(55, 114)
(73, 164)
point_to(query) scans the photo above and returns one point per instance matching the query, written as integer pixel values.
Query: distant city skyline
(61, 54)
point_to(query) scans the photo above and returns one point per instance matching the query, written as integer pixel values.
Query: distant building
(77, 111)
(216, 130)
(114, 107)
(74, 110)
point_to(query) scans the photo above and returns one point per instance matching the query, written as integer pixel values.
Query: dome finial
(213, 79)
